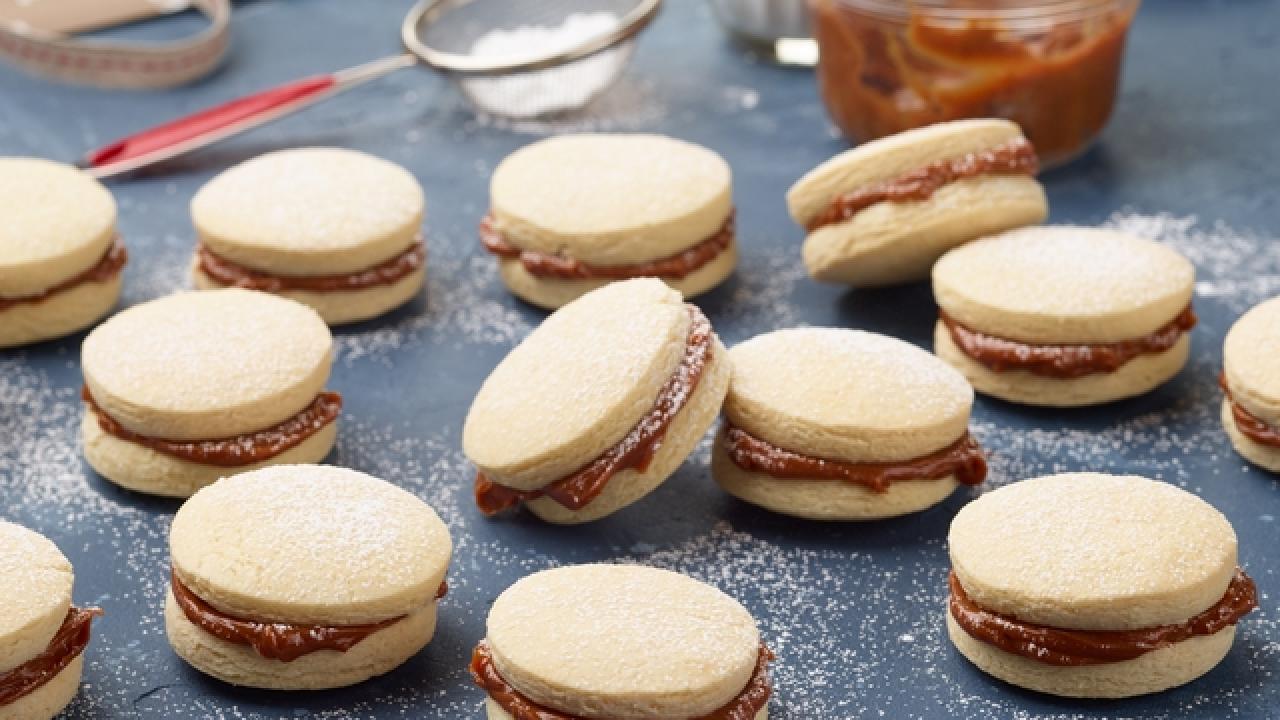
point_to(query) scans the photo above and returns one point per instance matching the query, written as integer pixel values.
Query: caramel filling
(635, 451)
(285, 642)
(566, 268)
(1064, 361)
(67, 644)
(963, 458)
(1250, 425)
(235, 451)
(745, 706)
(106, 268)
(226, 272)
(1055, 646)
(1016, 157)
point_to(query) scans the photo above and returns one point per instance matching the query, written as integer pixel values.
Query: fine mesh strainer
(514, 58)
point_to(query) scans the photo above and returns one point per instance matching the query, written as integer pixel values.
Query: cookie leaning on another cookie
(1251, 383)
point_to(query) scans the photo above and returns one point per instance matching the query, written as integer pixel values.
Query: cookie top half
(309, 544)
(1251, 361)
(1061, 284)
(1088, 551)
(58, 223)
(610, 199)
(846, 395)
(207, 365)
(310, 211)
(35, 593)
(578, 384)
(622, 641)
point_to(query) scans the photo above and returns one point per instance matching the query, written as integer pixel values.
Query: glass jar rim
(1013, 12)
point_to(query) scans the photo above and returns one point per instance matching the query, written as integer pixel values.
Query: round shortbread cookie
(1249, 360)
(309, 211)
(494, 711)
(59, 314)
(552, 293)
(1063, 284)
(58, 222)
(51, 698)
(310, 544)
(1140, 375)
(577, 384)
(35, 593)
(344, 306)
(1087, 551)
(623, 642)
(610, 199)
(846, 395)
(1266, 457)
(207, 365)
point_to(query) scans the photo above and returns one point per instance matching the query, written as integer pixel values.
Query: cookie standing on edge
(598, 406)
(883, 212)
(186, 389)
(334, 229)
(571, 213)
(1251, 384)
(1090, 585)
(620, 641)
(299, 577)
(834, 424)
(42, 635)
(1064, 316)
(60, 257)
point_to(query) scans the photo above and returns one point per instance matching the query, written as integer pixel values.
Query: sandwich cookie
(883, 212)
(834, 424)
(1064, 316)
(571, 213)
(183, 390)
(1097, 586)
(334, 229)
(60, 257)
(299, 577)
(599, 405)
(1251, 385)
(42, 635)
(620, 642)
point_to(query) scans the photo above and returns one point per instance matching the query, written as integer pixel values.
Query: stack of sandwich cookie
(575, 212)
(60, 257)
(883, 212)
(191, 387)
(1089, 585)
(598, 406)
(834, 424)
(620, 642)
(1064, 316)
(42, 635)
(1251, 384)
(346, 575)
(334, 229)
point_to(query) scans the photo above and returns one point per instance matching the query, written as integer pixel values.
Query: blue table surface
(854, 611)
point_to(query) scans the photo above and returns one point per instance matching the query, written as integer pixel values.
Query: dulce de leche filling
(1064, 361)
(1056, 646)
(68, 642)
(226, 272)
(635, 451)
(1016, 157)
(1250, 425)
(567, 268)
(745, 706)
(962, 458)
(285, 642)
(245, 449)
(106, 268)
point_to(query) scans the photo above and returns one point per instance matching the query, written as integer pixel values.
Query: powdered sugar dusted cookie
(574, 212)
(838, 424)
(620, 641)
(597, 406)
(1251, 383)
(60, 258)
(1064, 316)
(334, 229)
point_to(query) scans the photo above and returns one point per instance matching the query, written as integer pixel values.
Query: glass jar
(1052, 66)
